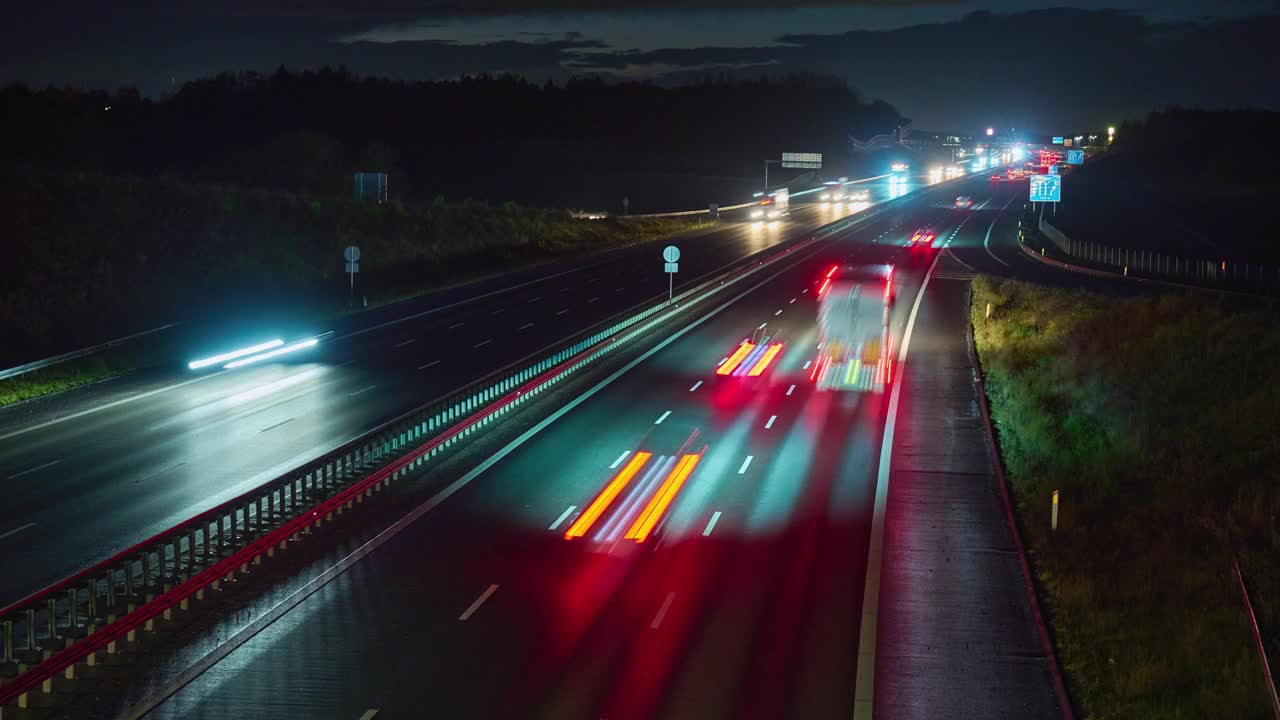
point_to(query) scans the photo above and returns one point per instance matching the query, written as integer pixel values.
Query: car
(833, 196)
(997, 178)
(922, 238)
(860, 195)
(854, 346)
(964, 201)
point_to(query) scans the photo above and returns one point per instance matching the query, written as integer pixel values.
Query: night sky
(953, 66)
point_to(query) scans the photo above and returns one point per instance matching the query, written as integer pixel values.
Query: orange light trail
(606, 496)
(648, 518)
(743, 350)
(764, 360)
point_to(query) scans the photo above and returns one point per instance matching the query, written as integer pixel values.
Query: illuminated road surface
(90, 472)
(743, 602)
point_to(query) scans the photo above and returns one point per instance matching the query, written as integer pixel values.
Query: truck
(853, 329)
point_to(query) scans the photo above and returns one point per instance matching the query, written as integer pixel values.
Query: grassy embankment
(1157, 419)
(103, 257)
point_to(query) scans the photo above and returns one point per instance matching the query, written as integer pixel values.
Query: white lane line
(792, 301)
(534, 300)
(696, 386)
(430, 364)
(791, 389)
(762, 326)
(456, 326)
(986, 241)
(16, 530)
(770, 423)
(476, 605)
(665, 415)
(499, 311)
(565, 290)
(745, 463)
(777, 313)
(593, 299)
(273, 427)
(361, 390)
(482, 343)
(369, 714)
(662, 611)
(591, 280)
(402, 343)
(807, 363)
(526, 326)
(563, 517)
(108, 406)
(722, 361)
(563, 311)
(28, 471)
(620, 289)
(621, 457)
(715, 518)
(863, 686)
(805, 290)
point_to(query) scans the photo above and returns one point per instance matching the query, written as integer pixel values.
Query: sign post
(670, 258)
(352, 255)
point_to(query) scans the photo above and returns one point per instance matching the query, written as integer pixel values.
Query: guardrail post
(6, 643)
(111, 589)
(93, 602)
(128, 578)
(31, 631)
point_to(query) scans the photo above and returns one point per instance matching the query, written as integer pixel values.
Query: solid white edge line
(662, 611)
(621, 457)
(745, 463)
(28, 471)
(864, 682)
(562, 517)
(715, 518)
(16, 530)
(986, 241)
(466, 614)
(247, 633)
(108, 406)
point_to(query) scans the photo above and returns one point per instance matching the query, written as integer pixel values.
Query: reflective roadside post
(1053, 523)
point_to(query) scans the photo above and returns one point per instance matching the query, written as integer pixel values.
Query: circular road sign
(671, 253)
(352, 253)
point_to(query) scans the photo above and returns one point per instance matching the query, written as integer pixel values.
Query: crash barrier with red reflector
(1245, 277)
(45, 635)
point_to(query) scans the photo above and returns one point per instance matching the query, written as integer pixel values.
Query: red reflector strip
(743, 350)
(764, 360)
(648, 518)
(606, 496)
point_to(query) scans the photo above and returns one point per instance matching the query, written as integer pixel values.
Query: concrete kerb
(1042, 628)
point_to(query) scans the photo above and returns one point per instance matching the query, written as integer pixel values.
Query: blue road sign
(1053, 169)
(1075, 157)
(1057, 139)
(1046, 188)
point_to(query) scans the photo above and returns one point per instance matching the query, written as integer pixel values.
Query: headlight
(824, 196)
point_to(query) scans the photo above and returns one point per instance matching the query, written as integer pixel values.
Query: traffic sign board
(1046, 188)
(1057, 139)
(671, 267)
(1075, 157)
(352, 253)
(802, 160)
(671, 253)
(1053, 169)
(353, 267)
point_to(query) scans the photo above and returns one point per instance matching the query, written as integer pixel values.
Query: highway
(743, 603)
(91, 471)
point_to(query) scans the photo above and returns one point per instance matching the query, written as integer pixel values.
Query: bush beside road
(1109, 402)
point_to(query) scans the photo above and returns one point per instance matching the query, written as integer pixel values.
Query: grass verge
(1156, 419)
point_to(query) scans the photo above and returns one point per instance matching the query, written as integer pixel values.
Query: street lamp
(991, 131)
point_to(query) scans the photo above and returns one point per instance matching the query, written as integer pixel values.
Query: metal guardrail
(75, 354)
(73, 620)
(1153, 264)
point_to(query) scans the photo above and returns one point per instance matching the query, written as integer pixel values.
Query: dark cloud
(1038, 69)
